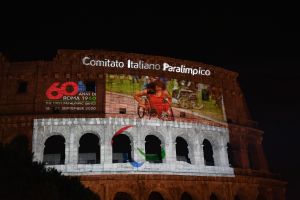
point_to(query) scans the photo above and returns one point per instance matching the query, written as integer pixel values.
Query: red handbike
(164, 113)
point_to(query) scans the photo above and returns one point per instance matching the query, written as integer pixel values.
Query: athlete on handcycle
(155, 101)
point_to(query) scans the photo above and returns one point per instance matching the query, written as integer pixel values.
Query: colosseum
(138, 127)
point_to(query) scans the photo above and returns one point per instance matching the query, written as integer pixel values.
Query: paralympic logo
(143, 154)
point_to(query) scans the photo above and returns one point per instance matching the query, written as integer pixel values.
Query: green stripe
(152, 157)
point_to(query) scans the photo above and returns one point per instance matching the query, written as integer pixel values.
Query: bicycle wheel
(167, 115)
(171, 116)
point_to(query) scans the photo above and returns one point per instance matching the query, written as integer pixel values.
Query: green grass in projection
(122, 84)
(210, 107)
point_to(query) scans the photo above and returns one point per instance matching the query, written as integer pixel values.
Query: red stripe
(121, 130)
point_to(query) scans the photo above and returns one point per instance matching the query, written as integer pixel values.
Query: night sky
(261, 44)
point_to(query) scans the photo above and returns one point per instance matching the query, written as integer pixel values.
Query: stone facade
(73, 128)
(23, 113)
(171, 187)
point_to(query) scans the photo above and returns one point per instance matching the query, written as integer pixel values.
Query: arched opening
(213, 196)
(121, 145)
(182, 151)
(54, 151)
(186, 196)
(237, 197)
(252, 157)
(89, 149)
(123, 196)
(230, 155)
(260, 197)
(154, 151)
(208, 153)
(155, 196)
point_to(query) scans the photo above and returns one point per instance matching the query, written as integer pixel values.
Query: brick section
(139, 187)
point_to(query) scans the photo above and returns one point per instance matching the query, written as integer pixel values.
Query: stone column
(191, 154)
(73, 148)
(134, 146)
(244, 155)
(198, 153)
(244, 158)
(263, 165)
(66, 134)
(107, 144)
(68, 150)
(138, 143)
(38, 147)
(223, 156)
(102, 149)
(138, 156)
(40, 153)
(170, 155)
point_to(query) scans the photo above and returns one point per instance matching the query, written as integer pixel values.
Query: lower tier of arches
(166, 187)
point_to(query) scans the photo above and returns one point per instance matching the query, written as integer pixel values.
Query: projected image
(71, 96)
(147, 97)
(122, 149)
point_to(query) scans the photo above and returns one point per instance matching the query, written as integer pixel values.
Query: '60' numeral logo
(57, 92)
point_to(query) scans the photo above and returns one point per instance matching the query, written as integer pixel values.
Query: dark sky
(262, 44)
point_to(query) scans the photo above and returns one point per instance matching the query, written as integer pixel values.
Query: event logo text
(87, 61)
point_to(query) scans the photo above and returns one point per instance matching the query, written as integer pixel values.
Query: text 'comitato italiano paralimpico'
(141, 65)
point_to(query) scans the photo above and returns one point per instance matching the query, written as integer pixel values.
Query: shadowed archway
(155, 196)
(153, 149)
(208, 153)
(182, 151)
(213, 196)
(122, 196)
(89, 149)
(121, 146)
(54, 151)
(186, 196)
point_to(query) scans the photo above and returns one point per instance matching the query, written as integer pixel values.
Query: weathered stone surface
(73, 128)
